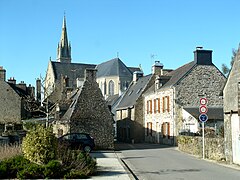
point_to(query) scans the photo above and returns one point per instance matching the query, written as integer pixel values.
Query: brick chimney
(22, 86)
(2, 74)
(38, 86)
(203, 57)
(12, 80)
(157, 68)
(90, 75)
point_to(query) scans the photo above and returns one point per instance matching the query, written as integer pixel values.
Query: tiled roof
(114, 67)
(133, 92)
(72, 70)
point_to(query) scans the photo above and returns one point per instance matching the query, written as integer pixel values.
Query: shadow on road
(118, 146)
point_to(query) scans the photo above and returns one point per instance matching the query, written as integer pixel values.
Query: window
(149, 129)
(166, 130)
(155, 105)
(158, 105)
(111, 88)
(166, 104)
(150, 106)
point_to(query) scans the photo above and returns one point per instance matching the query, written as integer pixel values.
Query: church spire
(64, 47)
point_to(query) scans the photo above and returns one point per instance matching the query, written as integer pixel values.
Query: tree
(225, 68)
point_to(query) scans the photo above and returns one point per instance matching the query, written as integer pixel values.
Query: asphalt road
(156, 162)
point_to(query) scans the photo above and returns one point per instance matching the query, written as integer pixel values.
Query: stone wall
(214, 147)
(10, 104)
(92, 115)
(203, 81)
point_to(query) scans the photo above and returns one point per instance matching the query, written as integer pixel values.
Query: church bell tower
(64, 47)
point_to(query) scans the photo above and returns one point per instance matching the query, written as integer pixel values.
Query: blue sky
(98, 29)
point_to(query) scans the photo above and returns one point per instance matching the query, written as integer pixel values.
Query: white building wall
(235, 122)
(159, 119)
(189, 122)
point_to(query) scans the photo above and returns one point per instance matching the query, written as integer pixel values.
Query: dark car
(78, 141)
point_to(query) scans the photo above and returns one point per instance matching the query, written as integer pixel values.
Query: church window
(111, 88)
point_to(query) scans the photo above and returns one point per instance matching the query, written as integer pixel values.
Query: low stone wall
(214, 147)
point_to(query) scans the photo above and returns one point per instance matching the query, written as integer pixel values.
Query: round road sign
(203, 109)
(203, 117)
(203, 101)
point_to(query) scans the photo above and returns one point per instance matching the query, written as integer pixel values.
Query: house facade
(13, 102)
(170, 108)
(231, 95)
(129, 109)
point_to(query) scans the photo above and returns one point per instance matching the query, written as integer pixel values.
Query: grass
(8, 151)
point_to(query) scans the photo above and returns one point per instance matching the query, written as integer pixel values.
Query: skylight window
(138, 90)
(130, 92)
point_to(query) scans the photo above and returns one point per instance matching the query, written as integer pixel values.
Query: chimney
(202, 57)
(22, 86)
(90, 75)
(12, 81)
(2, 74)
(31, 91)
(38, 85)
(157, 68)
(137, 75)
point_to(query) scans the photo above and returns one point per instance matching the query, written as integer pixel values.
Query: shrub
(40, 145)
(10, 167)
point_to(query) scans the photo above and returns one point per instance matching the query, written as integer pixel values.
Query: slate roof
(214, 113)
(133, 92)
(67, 116)
(72, 70)
(18, 90)
(114, 67)
(178, 74)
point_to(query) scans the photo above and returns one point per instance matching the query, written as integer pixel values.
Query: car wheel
(87, 149)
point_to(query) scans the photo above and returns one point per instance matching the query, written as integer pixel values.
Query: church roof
(72, 70)
(114, 67)
(133, 92)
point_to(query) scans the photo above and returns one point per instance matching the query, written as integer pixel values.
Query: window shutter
(163, 104)
(158, 105)
(150, 106)
(168, 104)
(155, 105)
(168, 133)
(147, 107)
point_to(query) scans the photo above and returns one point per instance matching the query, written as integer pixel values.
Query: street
(154, 162)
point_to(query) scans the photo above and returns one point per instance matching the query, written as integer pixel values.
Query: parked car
(78, 141)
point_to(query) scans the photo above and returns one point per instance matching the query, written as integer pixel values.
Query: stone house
(88, 113)
(129, 108)
(173, 107)
(13, 101)
(231, 94)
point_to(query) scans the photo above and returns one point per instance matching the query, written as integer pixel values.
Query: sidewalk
(109, 166)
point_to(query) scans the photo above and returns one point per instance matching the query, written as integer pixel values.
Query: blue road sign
(203, 117)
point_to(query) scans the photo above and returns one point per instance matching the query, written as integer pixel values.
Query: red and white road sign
(203, 109)
(203, 101)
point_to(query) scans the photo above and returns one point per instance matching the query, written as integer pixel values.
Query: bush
(10, 167)
(40, 145)
(79, 165)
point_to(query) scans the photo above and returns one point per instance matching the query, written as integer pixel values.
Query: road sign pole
(203, 140)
